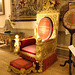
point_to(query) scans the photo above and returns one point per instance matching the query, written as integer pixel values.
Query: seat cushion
(21, 63)
(30, 49)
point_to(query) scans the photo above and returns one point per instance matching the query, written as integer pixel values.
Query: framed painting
(25, 10)
(1, 7)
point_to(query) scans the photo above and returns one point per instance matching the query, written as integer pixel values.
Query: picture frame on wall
(1, 7)
(25, 10)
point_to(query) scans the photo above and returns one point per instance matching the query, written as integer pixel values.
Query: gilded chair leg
(22, 71)
(9, 69)
(34, 70)
(41, 65)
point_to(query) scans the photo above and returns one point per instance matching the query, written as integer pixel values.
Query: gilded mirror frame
(1, 7)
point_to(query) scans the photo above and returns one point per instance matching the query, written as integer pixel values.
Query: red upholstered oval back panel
(45, 28)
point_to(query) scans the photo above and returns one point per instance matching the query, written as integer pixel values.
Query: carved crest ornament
(48, 4)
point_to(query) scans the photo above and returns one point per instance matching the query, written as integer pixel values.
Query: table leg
(10, 42)
(6, 42)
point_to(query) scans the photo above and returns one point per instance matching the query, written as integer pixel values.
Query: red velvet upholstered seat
(28, 45)
(21, 63)
(30, 49)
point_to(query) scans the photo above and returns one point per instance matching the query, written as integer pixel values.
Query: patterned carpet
(6, 56)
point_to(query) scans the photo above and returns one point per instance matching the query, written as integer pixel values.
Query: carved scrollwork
(41, 66)
(39, 49)
(48, 4)
(22, 71)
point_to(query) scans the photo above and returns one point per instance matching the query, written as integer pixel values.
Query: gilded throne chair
(41, 48)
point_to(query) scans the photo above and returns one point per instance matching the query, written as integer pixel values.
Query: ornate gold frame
(2, 7)
(24, 10)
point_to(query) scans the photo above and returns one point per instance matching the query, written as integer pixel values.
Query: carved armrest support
(49, 47)
(38, 49)
(43, 49)
(17, 47)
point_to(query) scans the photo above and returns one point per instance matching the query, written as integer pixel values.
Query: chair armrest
(20, 43)
(27, 41)
(45, 49)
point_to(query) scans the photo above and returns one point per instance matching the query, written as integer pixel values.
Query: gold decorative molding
(25, 53)
(41, 66)
(17, 44)
(47, 4)
(62, 47)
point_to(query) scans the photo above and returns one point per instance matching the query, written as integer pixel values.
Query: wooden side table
(9, 37)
